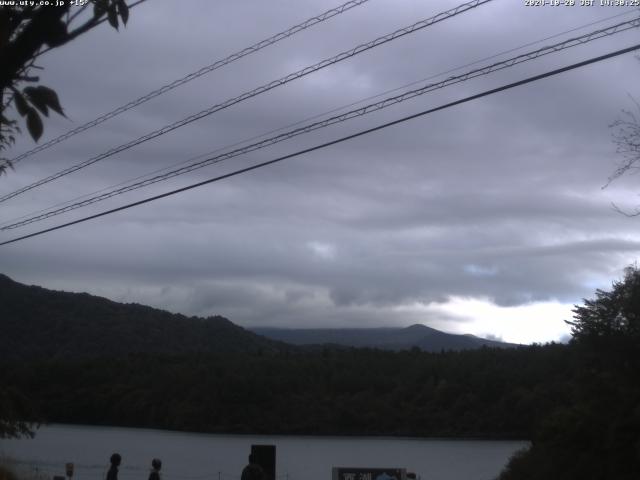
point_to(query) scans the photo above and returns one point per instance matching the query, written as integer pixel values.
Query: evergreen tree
(614, 313)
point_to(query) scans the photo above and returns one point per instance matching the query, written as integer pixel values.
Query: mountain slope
(40, 323)
(426, 338)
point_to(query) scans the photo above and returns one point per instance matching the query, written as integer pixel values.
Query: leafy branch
(26, 33)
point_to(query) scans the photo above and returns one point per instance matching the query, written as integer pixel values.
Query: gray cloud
(500, 198)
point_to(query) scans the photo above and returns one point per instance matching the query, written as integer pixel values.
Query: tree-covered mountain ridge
(39, 323)
(386, 338)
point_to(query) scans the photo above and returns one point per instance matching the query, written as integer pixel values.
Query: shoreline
(467, 438)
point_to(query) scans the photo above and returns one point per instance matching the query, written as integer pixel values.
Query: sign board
(360, 473)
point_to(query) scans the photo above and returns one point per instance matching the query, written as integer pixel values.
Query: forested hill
(39, 323)
(425, 338)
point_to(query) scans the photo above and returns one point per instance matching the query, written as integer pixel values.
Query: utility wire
(264, 88)
(187, 78)
(525, 81)
(319, 115)
(605, 32)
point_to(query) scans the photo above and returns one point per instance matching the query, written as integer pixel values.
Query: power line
(525, 81)
(346, 116)
(572, 42)
(262, 89)
(192, 76)
(476, 62)
(299, 122)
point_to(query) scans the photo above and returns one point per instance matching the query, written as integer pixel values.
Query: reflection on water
(189, 456)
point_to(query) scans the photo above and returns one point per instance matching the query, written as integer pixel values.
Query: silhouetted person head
(253, 471)
(115, 459)
(156, 465)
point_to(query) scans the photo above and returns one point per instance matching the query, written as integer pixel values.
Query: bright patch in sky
(535, 322)
(480, 271)
(538, 322)
(322, 250)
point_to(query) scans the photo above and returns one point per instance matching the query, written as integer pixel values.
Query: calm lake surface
(191, 456)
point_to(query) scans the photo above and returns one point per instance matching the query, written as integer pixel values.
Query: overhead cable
(264, 88)
(572, 42)
(525, 81)
(192, 76)
(307, 119)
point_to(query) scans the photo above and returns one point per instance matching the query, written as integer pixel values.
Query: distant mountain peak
(419, 327)
(385, 338)
(416, 326)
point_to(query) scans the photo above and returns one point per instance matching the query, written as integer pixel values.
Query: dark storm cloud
(498, 199)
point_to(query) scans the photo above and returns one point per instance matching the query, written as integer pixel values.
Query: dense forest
(487, 393)
(579, 404)
(579, 408)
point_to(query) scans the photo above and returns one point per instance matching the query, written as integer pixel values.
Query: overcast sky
(486, 218)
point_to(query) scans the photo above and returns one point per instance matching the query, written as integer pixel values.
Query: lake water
(191, 456)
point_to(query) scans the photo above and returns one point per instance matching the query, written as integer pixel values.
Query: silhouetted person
(156, 465)
(115, 460)
(253, 471)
